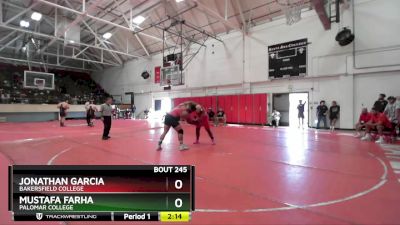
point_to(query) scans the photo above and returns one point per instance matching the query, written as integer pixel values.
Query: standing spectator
(220, 116)
(133, 110)
(63, 107)
(390, 110)
(90, 110)
(211, 114)
(381, 103)
(300, 115)
(322, 110)
(334, 112)
(106, 111)
(363, 119)
(378, 122)
(276, 116)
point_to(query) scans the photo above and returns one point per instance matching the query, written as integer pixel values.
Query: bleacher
(74, 86)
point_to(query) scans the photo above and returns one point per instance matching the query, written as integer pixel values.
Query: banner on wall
(157, 74)
(288, 59)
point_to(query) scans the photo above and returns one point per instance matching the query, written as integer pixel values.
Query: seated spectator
(378, 122)
(363, 119)
(381, 103)
(276, 116)
(220, 117)
(5, 98)
(127, 114)
(211, 114)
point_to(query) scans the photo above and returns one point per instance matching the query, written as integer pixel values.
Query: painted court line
(395, 165)
(25, 140)
(50, 162)
(383, 180)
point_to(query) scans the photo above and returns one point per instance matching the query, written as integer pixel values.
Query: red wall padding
(244, 109)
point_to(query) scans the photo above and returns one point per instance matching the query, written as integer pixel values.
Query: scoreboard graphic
(101, 193)
(288, 59)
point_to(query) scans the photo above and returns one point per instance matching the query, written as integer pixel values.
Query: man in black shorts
(172, 118)
(300, 115)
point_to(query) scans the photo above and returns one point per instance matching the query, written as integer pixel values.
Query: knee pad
(180, 131)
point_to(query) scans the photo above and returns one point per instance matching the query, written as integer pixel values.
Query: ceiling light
(71, 41)
(36, 16)
(179, 0)
(24, 23)
(138, 20)
(107, 35)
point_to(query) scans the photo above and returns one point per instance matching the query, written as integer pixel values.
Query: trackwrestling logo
(39, 216)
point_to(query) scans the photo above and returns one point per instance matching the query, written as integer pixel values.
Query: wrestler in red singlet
(199, 119)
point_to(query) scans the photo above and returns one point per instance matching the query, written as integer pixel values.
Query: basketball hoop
(293, 12)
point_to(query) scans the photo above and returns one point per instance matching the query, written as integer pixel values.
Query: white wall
(377, 25)
(240, 64)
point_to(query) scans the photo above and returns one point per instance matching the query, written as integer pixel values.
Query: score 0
(178, 185)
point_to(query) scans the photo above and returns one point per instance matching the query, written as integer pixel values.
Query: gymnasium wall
(240, 64)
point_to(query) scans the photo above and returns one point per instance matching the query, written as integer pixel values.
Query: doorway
(161, 107)
(294, 99)
(281, 104)
(286, 104)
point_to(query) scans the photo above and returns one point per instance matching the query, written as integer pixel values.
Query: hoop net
(40, 86)
(293, 12)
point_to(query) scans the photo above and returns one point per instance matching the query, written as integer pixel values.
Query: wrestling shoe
(183, 147)
(367, 137)
(380, 140)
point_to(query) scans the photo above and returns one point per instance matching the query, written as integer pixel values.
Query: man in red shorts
(200, 119)
(379, 122)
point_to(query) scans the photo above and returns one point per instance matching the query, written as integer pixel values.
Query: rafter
(72, 57)
(63, 40)
(78, 19)
(21, 13)
(216, 15)
(244, 24)
(102, 42)
(40, 63)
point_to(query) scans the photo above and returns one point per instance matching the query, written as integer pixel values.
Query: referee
(106, 112)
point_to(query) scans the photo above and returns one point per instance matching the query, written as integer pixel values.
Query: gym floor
(253, 175)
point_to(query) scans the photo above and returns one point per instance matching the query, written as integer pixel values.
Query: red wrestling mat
(253, 175)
